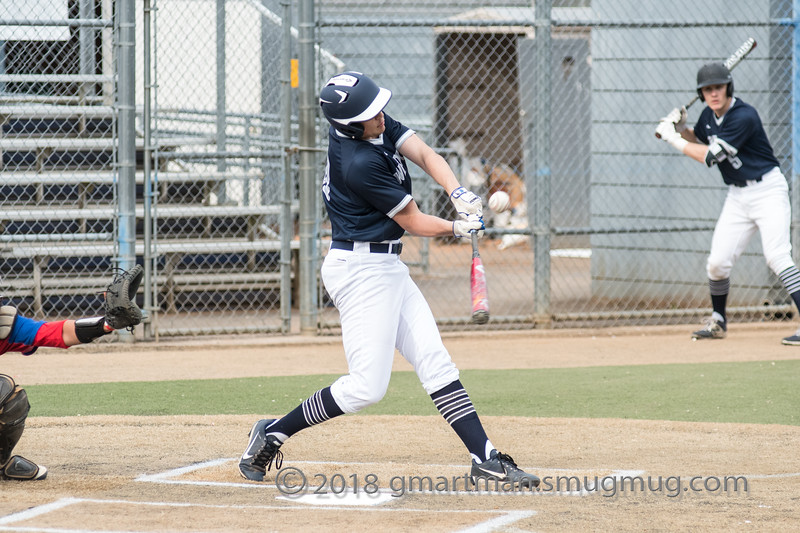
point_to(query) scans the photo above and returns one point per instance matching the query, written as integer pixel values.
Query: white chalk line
(500, 521)
(65, 530)
(505, 517)
(771, 476)
(185, 469)
(36, 511)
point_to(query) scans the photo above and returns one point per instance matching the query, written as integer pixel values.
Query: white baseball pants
(762, 206)
(381, 310)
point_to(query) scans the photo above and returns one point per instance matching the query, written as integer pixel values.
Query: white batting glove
(678, 117)
(464, 227)
(666, 129)
(466, 203)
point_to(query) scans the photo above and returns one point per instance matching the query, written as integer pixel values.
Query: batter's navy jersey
(366, 183)
(742, 131)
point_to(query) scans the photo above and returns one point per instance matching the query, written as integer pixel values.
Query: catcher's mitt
(120, 305)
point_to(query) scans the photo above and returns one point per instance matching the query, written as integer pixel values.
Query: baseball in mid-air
(499, 201)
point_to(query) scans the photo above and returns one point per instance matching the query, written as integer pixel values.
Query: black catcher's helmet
(713, 74)
(350, 98)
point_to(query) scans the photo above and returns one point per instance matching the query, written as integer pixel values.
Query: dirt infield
(179, 473)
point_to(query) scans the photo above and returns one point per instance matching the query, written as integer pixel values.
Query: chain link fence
(57, 193)
(217, 67)
(555, 103)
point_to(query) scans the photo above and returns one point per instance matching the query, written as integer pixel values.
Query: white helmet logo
(345, 80)
(342, 95)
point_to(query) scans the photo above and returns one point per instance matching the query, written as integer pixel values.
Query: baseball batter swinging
(730, 135)
(367, 192)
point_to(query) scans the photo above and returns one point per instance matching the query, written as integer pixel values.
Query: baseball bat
(480, 295)
(730, 64)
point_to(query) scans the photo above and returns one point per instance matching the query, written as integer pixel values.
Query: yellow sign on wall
(295, 78)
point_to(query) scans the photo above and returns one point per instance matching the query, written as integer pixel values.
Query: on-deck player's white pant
(381, 310)
(762, 206)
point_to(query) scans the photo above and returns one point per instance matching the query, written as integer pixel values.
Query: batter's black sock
(791, 280)
(455, 406)
(317, 409)
(719, 295)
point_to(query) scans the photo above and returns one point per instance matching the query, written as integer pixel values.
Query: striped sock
(318, 408)
(455, 406)
(791, 280)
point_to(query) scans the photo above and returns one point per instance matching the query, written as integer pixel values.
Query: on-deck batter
(367, 193)
(729, 134)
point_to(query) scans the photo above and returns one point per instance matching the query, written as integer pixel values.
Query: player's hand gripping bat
(730, 64)
(480, 296)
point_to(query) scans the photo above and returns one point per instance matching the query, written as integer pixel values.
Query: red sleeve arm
(51, 335)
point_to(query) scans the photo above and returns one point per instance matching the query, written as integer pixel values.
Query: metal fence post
(286, 200)
(86, 56)
(309, 223)
(541, 198)
(221, 119)
(795, 87)
(147, 259)
(126, 208)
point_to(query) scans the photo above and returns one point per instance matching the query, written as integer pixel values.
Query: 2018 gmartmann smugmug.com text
(292, 481)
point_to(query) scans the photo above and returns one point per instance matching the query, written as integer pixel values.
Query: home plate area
(364, 484)
(209, 496)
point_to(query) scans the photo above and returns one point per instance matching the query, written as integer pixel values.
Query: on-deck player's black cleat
(792, 340)
(502, 467)
(261, 451)
(22, 469)
(714, 329)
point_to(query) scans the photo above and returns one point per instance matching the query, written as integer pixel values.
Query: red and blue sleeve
(28, 334)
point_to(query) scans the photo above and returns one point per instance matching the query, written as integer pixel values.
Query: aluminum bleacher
(58, 214)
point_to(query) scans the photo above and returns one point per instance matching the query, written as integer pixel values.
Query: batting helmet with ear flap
(350, 98)
(713, 74)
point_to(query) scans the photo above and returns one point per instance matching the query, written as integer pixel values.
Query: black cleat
(793, 340)
(713, 329)
(260, 453)
(501, 467)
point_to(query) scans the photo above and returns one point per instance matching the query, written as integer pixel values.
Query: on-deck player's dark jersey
(366, 183)
(741, 129)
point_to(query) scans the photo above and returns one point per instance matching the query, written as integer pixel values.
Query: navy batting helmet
(713, 74)
(350, 98)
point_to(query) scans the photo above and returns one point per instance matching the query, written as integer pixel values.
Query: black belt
(739, 184)
(374, 247)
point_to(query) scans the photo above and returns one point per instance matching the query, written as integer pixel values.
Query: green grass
(752, 392)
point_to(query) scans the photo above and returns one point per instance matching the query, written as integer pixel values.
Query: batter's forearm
(429, 161)
(696, 151)
(424, 225)
(442, 174)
